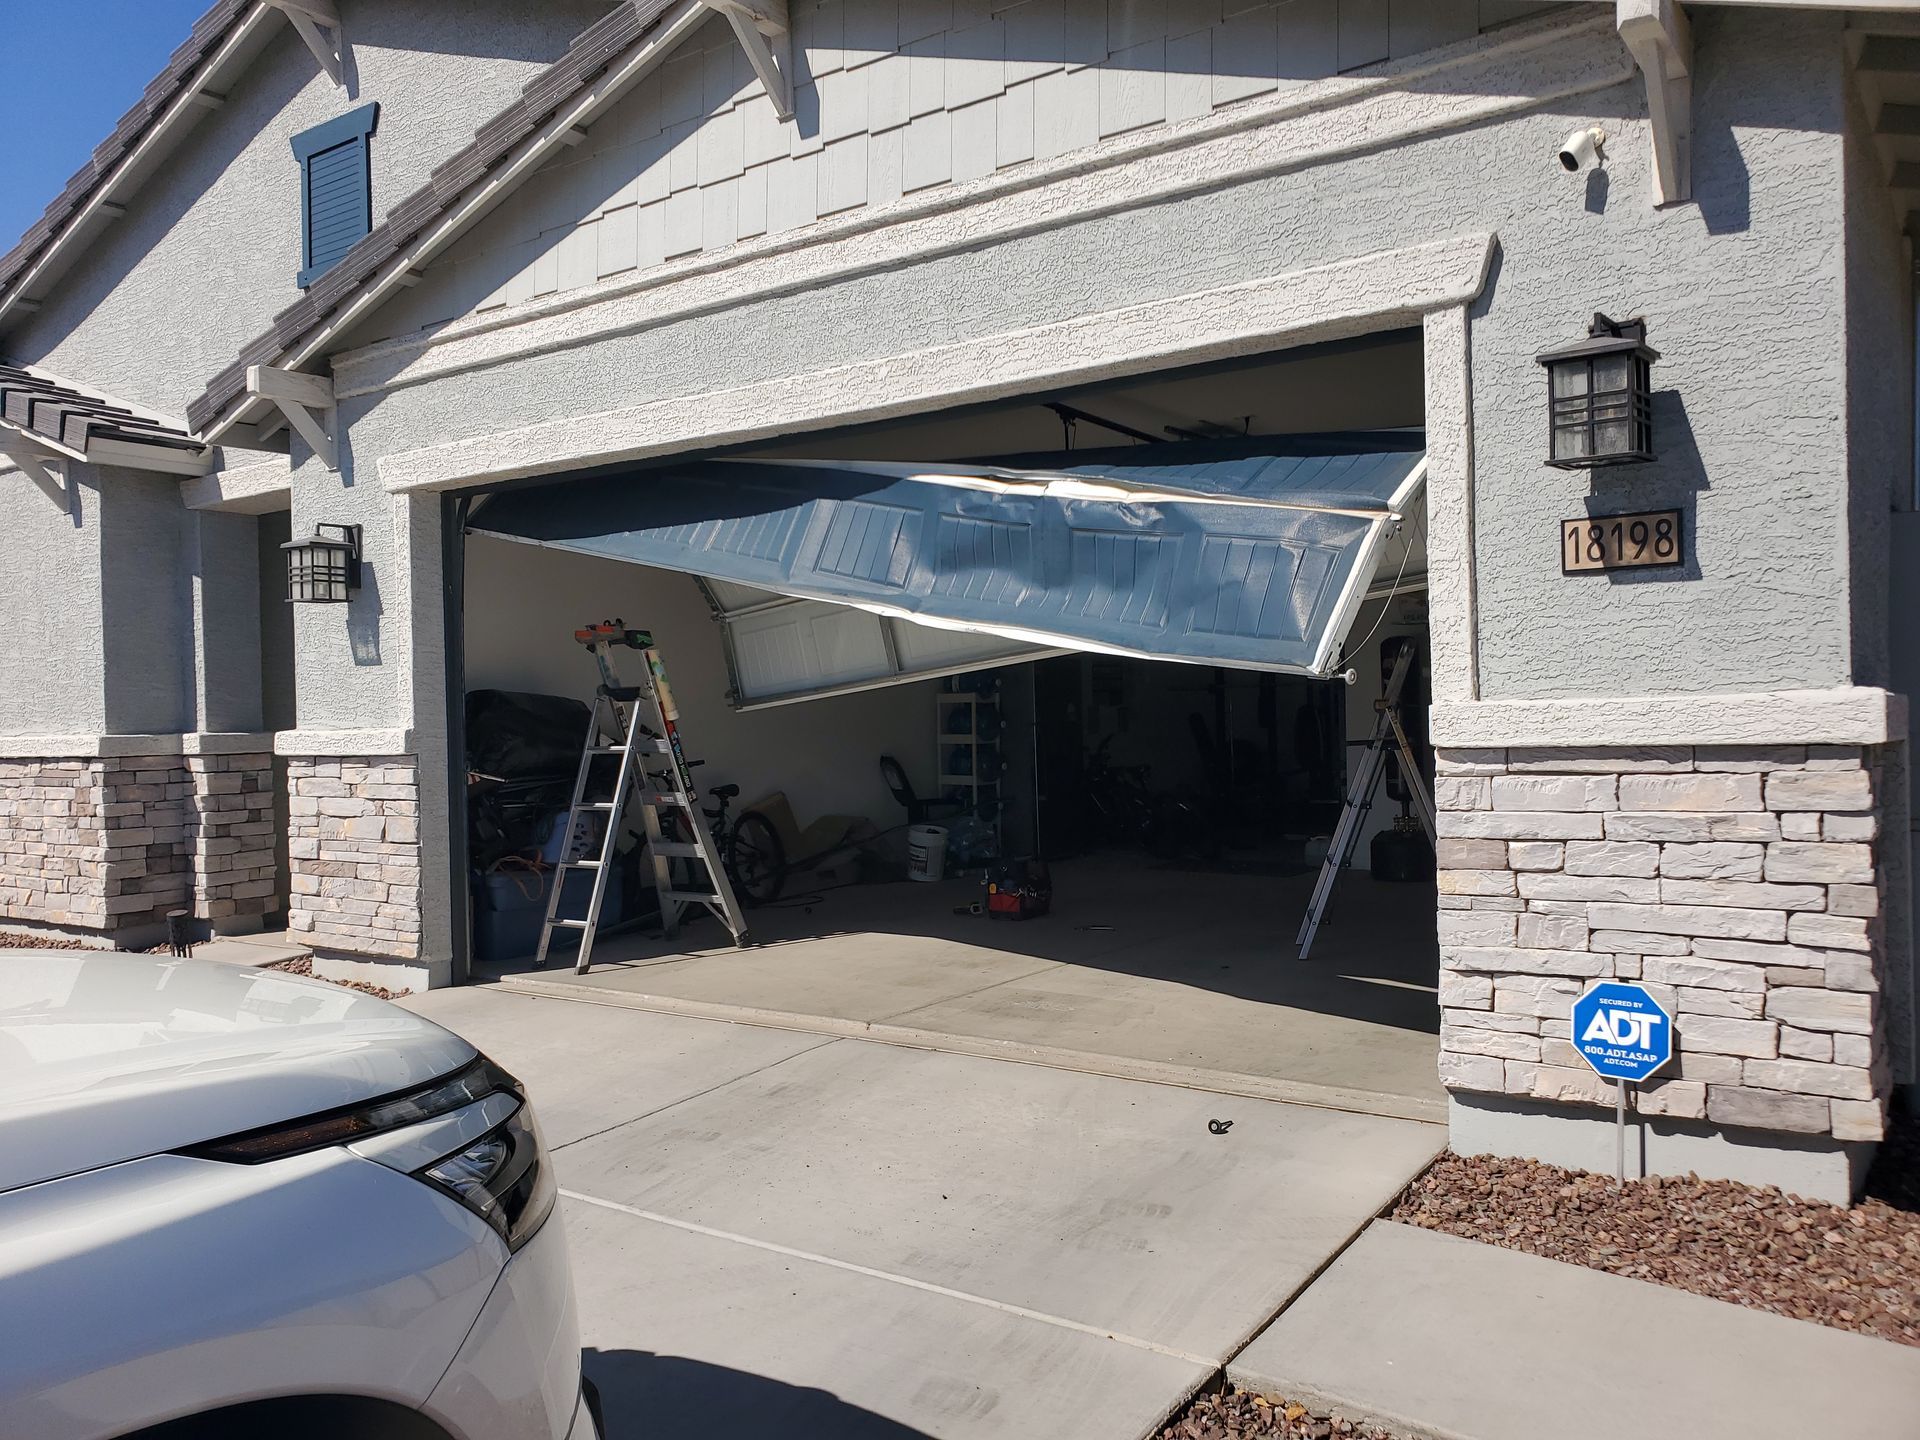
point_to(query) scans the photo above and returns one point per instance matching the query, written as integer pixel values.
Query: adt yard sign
(1622, 1031)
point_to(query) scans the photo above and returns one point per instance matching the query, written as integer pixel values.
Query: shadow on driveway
(643, 1394)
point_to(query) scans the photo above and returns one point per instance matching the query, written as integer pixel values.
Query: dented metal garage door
(1249, 554)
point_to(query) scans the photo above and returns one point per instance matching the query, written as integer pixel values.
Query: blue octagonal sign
(1621, 1030)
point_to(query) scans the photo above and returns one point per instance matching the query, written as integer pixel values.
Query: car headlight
(503, 1177)
(472, 1081)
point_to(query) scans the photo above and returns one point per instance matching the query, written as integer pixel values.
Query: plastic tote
(926, 852)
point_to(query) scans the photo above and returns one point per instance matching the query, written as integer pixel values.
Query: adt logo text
(1621, 1031)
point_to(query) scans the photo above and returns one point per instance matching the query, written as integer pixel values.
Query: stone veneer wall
(235, 872)
(91, 843)
(1738, 884)
(114, 843)
(353, 835)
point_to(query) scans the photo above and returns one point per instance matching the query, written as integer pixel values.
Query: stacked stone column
(354, 854)
(111, 844)
(235, 872)
(1739, 885)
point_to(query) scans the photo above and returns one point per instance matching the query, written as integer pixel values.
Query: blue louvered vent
(336, 189)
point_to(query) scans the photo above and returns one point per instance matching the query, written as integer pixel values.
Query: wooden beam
(321, 12)
(762, 28)
(270, 435)
(1657, 33)
(309, 17)
(271, 383)
(306, 400)
(39, 464)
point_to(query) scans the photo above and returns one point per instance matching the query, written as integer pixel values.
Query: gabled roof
(499, 146)
(210, 36)
(91, 427)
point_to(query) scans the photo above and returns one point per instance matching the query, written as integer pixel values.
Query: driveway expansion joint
(790, 1252)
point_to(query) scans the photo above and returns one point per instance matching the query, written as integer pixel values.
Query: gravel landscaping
(1854, 1268)
(1240, 1415)
(39, 942)
(303, 965)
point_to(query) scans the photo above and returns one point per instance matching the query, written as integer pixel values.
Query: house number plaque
(1620, 542)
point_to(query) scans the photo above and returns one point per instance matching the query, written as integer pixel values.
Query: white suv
(235, 1202)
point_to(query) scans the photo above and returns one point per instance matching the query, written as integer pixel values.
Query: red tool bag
(1019, 890)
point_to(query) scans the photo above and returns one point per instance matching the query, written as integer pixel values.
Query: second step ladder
(639, 726)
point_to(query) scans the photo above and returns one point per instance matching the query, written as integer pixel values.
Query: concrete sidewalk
(780, 1233)
(1458, 1340)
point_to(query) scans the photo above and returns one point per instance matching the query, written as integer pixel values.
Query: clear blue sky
(69, 70)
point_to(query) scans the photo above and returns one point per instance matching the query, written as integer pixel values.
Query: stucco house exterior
(361, 262)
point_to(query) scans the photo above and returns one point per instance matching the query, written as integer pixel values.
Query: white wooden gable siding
(896, 97)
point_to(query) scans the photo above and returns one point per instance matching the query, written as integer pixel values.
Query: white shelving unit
(980, 731)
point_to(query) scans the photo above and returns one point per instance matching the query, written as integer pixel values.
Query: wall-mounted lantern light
(323, 569)
(1600, 397)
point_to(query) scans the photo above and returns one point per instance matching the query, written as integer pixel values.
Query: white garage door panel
(926, 647)
(806, 645)
(780, 650)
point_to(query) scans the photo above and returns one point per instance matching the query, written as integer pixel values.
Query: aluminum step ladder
(633, 721)
(1387, 730)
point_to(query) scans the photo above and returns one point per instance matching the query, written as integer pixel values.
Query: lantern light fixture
(323, 569)
(1600, 397)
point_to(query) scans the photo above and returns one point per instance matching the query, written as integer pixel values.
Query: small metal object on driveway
(1219, 1127)
(1623, 1034)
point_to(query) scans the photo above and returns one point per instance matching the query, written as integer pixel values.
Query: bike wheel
(756, 860)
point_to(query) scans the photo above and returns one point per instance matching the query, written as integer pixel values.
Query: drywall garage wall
(524, 603)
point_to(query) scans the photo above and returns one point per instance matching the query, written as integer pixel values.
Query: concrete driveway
(780, 1233)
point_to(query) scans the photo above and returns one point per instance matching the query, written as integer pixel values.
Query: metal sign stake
(1620, 1133)
(1625, 1036)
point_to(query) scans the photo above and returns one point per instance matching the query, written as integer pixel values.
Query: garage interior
(1181, 807)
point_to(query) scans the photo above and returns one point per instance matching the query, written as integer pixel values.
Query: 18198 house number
(1620, 542)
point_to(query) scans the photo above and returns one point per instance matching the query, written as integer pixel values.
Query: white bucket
(926, 852)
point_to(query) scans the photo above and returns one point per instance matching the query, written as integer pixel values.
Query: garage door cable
(619, 725)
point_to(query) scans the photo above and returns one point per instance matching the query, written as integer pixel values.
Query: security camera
(1582, 148)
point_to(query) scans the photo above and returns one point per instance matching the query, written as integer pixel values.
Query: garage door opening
(1180, 802)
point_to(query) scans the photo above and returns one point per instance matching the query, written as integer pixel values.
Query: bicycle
(748, 845)
(750, 848)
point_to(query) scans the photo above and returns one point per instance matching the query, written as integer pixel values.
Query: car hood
(107, 1057)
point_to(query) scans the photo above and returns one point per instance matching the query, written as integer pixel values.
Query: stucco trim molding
(1315, 124)
(1848, 715)
(106, 747)
(1372, 292)
(255, 489)
(319, 743)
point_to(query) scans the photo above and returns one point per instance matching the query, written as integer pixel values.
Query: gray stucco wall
(1880, 360)
(51, 680)
(146, 604)
(277, 675)
(224, 553)
(209, 248)
(1751, 432)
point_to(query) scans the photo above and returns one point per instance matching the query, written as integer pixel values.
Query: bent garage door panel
(1223, 555)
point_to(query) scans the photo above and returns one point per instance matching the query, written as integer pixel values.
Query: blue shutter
(336, 189)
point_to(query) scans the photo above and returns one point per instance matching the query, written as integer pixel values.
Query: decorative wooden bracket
(764, 33)
(1657, 33)
(306, 401)
(269, 435)
(43, 463)
(310, 17)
